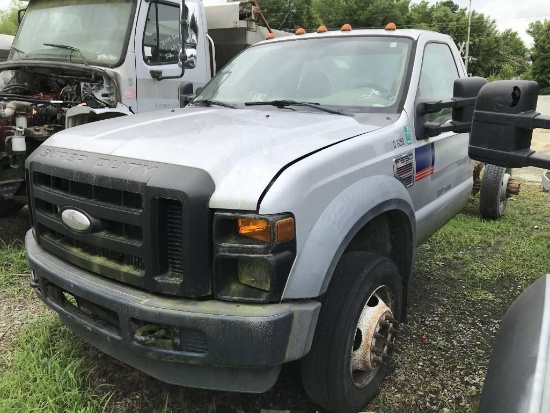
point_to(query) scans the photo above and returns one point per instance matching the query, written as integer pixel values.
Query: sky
(509, 14)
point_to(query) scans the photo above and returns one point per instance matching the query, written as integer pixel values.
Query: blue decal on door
(425, 159)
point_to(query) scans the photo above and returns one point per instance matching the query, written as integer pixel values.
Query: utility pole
(290, 17)
(467, 57)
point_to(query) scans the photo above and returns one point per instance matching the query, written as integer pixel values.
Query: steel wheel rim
(374, 337)
(503, 199)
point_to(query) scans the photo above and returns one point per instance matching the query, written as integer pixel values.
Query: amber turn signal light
(285, 230)
(255, 228)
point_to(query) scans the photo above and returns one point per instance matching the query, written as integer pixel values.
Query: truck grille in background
(125, 247)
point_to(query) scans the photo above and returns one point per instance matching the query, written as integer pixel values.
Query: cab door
(443, 171)
(157, 48)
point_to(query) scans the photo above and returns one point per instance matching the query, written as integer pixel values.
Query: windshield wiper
(211, 102)
(315, 105)
(21, 53)
(64, 46)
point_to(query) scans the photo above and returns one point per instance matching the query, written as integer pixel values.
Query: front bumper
(212, 344)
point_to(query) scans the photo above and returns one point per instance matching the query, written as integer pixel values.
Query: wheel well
(390, 235)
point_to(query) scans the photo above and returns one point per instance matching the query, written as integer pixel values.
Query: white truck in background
(5, 45)
(77, 62)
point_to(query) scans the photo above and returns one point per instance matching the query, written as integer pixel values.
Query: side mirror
(188, 52)
(185, 93)
(20, 15)
(190, 55)
(503, 123)
(465, 91)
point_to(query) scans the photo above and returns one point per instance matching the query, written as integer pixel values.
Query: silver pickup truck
(274, 218)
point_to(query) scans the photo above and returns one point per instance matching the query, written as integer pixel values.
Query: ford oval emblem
(76, 220)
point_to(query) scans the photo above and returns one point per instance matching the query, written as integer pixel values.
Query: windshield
(89, 31)
(359, 73)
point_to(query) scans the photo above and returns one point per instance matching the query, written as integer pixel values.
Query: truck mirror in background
(465, 91)
(185, 92)
(188, 51)
(190, 55)
(20, 15)
(503, 123)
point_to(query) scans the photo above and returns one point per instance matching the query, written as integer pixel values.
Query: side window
(161, 41)
(437, 77)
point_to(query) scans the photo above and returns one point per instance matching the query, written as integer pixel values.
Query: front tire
(355, 333)
(492, 196)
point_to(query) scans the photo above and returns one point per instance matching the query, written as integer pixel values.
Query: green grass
(465, 278)
(484, 254)
(48, 372)
(44, 369)
(13, 266)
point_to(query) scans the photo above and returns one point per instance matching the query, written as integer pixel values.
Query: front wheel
(355, 333)
(492, 196)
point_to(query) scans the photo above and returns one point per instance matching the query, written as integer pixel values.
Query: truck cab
(274, 218)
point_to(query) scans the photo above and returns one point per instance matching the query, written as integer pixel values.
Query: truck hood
(242, 150)
(54, 67)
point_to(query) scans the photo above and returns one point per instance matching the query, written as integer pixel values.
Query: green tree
(360, 13)
(513, 55)
(285, 14)
(8, 18)
(491, 52)
(540, 54)
(420, 16)
(484, 44)
(507, 72)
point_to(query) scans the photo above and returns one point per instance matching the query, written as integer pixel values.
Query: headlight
(253, 255)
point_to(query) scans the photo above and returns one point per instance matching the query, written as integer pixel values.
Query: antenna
(467, 56)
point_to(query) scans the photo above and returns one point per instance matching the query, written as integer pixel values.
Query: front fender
(343, 217)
